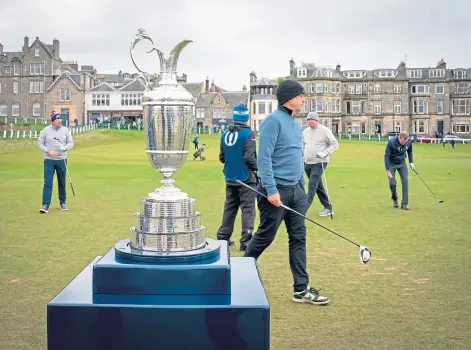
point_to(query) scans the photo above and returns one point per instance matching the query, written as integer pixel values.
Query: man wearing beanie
(318, 143)
(238, 153)
(55, 140)
(281, 171)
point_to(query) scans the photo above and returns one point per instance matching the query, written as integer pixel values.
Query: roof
(64, 75)
(265, 82)
(193, 88)
(232, 98)
(134, 85)
(102, 87)
(204, 99)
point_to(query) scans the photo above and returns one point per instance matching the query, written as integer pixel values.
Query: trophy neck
(168, 78)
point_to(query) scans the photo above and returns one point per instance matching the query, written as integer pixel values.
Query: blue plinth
(204, 318)
(114, 275)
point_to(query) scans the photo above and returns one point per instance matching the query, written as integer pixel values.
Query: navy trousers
(52, 166)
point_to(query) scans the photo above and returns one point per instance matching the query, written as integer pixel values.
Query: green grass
(414, 293)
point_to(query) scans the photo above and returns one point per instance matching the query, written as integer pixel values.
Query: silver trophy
(168, 221)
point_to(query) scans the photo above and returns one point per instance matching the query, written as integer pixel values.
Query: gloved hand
(412, 166)
(321, 154)
(62, 148)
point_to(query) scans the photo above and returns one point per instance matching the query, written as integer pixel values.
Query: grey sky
(230, 39)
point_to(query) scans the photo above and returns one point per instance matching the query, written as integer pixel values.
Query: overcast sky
(232, 38)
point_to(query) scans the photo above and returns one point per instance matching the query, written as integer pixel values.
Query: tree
(279, 80)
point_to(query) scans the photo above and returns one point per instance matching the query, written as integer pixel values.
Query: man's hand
(412, 166)
(388, 173)
(52, 153)
(321, 154)
(62, 148)
(275, 199)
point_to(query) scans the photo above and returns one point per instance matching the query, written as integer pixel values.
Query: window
(355, 128)
(418, 106)
(419, 126)
(385, 73)
(460, 107)
(36, 110)
(302, 73)
(36, 69)
(414, 73)
(15, 87)
(397, 107)
(15, 69)
(377, 88)
(333, 88)
(461, 88)
(377, 106)
(15, 110)
(397, 88)
(336, 106)
(101, 100)
(397, 126)
(319, 88)
(319, 105)
(218, 113)
(437, 73)
(439, 89)
(3, 110)
(358, 74)
(261, 107)
(36, 87)
(130, 99)
(358, 88)
(363, 128)
(419, 89)
(65, 94)
(254, 107)
(327, 106)
(270, 107)
(460, 126)
(351, 88)
(355, 107)
(199, 113)
(459, 74)
(36, 52)
(439, 107)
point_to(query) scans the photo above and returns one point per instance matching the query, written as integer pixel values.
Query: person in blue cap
(238, 153)
(55, 140)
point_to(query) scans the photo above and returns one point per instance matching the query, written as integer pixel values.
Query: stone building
(424, 101)
(262, 99)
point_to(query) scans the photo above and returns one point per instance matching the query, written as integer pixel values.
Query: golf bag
(199, 153)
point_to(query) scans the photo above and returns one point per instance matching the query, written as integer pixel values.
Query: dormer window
(437, 73)
(354, 74)
(36, 52)
(386, 73)
(459, 74)
(302, 73)
(414, 73)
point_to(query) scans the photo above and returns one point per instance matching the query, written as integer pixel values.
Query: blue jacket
(280, 159)
(395, 153)
(238, 152)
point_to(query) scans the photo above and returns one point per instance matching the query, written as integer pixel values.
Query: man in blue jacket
(238, 153)
(281, 171)
(394, 159)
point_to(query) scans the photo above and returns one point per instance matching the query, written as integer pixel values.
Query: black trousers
(243, 198)
(314, 173)
(270, 220)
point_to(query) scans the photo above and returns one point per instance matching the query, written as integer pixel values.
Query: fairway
(415, 293)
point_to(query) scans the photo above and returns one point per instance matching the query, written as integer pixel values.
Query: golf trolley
(199, 153)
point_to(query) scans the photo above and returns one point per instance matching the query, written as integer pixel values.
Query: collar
(286, 110)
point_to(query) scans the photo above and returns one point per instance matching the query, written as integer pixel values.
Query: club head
(440, 201)
(365, 254)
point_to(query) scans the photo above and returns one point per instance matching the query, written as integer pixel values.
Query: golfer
(239, 155)
(319, 143)
(55, 140)
(394, 159)
(280, 167)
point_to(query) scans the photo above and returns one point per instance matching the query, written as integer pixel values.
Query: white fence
(34, 134)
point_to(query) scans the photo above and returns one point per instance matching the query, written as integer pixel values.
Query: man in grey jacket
(55, 140)
(318, 144)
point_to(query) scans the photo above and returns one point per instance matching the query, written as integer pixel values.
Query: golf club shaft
(298, 213)
(425, 184)
(327, 191)
(70, 179)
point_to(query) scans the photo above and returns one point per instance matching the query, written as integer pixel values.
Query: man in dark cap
(281, 170)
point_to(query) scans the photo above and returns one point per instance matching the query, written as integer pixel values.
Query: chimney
(25, 44)
(213, 87)
(244, 88)
(55, 45)
(291, 67)
(441, 64)
(1, 49)
(402, 66)
(184, 78)
(338, 68)
(253, 78)
(206, 87)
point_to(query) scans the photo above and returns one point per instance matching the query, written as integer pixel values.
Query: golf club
(327, 190)
(365, 253)
(67, 170)
(439, 200)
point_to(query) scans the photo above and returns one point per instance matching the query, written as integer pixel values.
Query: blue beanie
(240, 113)
(55, 115)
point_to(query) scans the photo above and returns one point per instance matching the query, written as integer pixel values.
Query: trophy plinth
(169, 287)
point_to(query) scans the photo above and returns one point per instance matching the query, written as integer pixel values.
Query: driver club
(365, 253)
(439, 200)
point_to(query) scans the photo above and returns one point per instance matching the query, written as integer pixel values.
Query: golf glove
(412, 166)
(321, 154)
(62, 148)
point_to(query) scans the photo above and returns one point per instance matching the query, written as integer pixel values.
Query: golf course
(414, 293)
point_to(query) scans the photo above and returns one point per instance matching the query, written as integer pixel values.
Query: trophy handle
(141, 35)
(175, 54)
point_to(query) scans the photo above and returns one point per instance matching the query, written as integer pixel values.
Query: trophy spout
(169, 68)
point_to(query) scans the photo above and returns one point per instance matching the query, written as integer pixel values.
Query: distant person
(394, 159)
(196, 141)
(281, 170)
(318, 144)
(452, 142)
(55, 140)
(238, 153)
